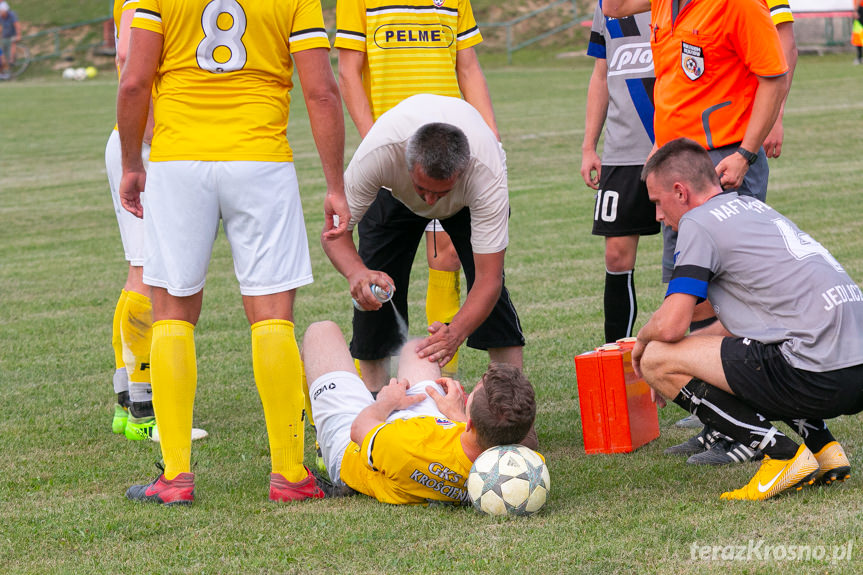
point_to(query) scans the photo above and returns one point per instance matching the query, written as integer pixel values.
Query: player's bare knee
(653, 362)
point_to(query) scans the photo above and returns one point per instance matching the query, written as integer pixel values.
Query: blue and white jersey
(770, 282)
(625, 45)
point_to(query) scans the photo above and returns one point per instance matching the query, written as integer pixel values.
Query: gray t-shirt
(625, 45)
(770, 282)
(379, 162)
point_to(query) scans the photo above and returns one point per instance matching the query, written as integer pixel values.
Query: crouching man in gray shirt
(787, 344)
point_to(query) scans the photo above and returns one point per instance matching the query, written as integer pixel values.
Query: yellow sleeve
(780, 11)
(351, 25)
(468, 32)
(148, 16)
(307, 27)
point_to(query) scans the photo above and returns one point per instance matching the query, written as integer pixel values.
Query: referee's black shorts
(760, 376)
(389, 235)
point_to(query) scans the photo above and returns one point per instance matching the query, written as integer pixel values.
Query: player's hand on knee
(452, 404)
(441, 345)
(395, 396)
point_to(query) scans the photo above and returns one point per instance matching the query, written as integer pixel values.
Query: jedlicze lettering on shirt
(842, 294)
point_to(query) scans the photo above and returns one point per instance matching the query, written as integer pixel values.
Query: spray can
(382, 294)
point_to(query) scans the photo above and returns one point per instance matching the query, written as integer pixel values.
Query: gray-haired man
(437, 158)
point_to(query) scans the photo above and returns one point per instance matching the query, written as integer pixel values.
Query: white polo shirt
(379, 162)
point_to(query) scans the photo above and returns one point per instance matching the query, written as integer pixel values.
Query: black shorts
(622, 207)
(760, 376)
(389, 235)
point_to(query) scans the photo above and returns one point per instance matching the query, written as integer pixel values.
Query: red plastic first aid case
(617, 414)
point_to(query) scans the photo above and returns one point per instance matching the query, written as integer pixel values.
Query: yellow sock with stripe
(174, 375)
(278, 375)
(116, 338)
(442, 303)
(136, 327)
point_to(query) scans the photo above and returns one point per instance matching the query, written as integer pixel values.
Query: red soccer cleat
(177, 491)
(283, 490)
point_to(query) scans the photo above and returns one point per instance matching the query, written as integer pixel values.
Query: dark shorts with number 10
(622, 206)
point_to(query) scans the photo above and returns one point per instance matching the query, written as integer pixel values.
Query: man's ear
(681, 192)
(468, 425)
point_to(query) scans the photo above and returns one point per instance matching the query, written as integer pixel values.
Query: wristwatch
(750, 157)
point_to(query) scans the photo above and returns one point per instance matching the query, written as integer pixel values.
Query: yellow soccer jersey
(410, 45)
(417, 460)
(780, 11)
(222, 88)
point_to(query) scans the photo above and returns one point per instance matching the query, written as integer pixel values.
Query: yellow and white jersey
(416, 460)
(780, 11)
(222, 88)
(410, 45)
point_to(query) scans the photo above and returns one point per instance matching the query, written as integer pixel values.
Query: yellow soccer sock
(308, 400)
(442, 303)
(116, 338)
(278, 375)
(136, 327)
(175, 376)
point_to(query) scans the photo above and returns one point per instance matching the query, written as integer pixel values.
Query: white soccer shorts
(338, 397)
(259, 205)
(131, 227)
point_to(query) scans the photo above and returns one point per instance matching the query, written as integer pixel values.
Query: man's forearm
(479, 303)
(765, 110)
(342, 252)
(597, 107)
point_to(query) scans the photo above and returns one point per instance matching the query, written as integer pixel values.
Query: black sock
(813, 431)
(727, 414)
(123, 398)
(620, 303)
(141, 409)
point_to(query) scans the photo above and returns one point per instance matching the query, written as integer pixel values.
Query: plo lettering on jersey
(634, 58)
(394, 36)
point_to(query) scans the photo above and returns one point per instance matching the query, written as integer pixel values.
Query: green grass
(63, 473)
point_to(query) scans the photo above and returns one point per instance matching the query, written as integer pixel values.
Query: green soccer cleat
(140, 428)
(121, 415)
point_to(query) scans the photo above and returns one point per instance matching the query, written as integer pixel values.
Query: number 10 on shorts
(606, 206)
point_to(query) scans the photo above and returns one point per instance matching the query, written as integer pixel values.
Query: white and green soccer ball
(508, 480)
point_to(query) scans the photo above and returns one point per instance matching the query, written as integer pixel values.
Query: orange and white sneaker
(283, 490)
(778, 475)
(833, 464)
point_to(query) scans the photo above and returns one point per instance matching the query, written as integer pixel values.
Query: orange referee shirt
(707, 65)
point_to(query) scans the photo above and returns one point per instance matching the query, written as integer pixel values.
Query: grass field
(63, 473)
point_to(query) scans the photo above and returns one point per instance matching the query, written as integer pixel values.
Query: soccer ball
(91, 71)
(69, 74)
(80, 74)
(508, 480)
